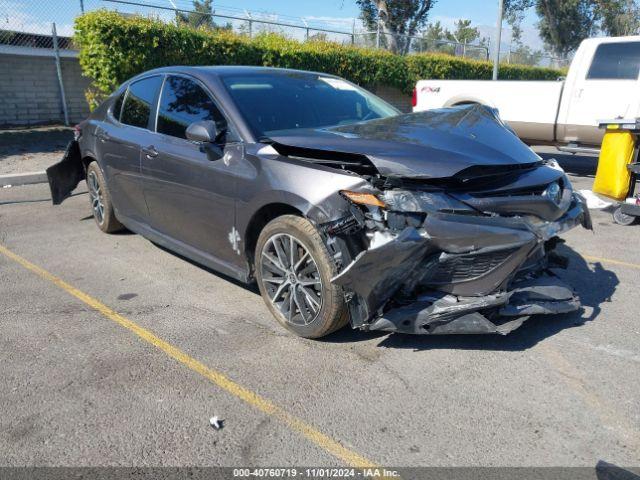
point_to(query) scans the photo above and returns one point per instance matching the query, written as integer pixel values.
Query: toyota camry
(342, 209)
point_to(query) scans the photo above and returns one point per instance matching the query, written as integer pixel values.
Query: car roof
(229, 70)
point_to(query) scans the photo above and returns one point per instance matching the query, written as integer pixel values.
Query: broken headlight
(427, 202)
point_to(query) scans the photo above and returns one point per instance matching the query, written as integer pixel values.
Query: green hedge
(114, 48)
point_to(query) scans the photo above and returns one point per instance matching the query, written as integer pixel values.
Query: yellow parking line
(611, 261)
(260, 403)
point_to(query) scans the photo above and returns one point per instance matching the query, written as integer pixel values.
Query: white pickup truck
(602, 83)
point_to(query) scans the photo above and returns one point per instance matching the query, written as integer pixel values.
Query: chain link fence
(24, 23)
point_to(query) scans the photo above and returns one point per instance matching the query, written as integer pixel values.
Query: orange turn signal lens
(363, 198)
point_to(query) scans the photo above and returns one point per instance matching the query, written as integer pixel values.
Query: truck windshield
(271, 103)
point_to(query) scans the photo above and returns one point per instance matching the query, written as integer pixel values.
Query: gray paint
(201, 204)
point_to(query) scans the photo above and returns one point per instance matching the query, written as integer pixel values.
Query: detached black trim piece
(65, 175)
(499, 313)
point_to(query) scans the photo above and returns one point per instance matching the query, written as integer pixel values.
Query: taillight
(414, 97)
(77, 132)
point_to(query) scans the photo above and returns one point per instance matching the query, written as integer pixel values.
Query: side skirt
(185, 250)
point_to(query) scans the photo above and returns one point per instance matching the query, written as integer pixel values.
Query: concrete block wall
(30, 93)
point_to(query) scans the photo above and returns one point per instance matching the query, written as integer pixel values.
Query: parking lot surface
(117, 352)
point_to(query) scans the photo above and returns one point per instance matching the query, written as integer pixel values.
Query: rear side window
(615, 61)
(182, 103)
(137, 106)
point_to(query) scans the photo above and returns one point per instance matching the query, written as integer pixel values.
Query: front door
(189, 191)
(608, 90)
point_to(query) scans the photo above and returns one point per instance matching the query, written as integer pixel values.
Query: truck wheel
(294, 271)
(101, 205)
(622, 218)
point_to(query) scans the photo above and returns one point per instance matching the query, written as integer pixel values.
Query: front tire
(100, 199)
(294, 271)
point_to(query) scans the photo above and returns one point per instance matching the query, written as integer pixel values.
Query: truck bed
(529, 107)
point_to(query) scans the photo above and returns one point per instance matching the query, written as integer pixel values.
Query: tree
(397, 19)
(564, 24)
(525, 55)
(432, 38)
(464, 32)
(319, 37)
(619, 17)
(200, 17)
(434, 32)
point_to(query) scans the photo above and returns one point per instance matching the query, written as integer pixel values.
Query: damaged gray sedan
(342, 209)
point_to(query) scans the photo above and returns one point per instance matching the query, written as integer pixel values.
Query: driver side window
(182, 103)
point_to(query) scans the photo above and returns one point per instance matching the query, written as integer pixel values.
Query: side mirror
(204, 131)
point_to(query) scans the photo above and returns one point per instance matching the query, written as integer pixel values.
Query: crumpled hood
(432, 144)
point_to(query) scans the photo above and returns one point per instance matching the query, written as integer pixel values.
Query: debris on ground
(216, 422)
(593, 201)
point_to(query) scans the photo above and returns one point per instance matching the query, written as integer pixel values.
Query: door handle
(103, 137)
(150, 151)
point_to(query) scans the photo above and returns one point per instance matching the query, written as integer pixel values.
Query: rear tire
(294, 272)
(100, 198)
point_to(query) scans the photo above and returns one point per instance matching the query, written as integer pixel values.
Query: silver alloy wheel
(291, 278)
(95, 192)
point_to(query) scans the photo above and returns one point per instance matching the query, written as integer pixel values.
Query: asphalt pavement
(117, 352)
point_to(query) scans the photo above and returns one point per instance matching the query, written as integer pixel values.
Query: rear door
(607, 88)
(191, 193)
(119, 141)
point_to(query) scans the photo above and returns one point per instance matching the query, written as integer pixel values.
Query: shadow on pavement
(609, 471)
(252, 287)
(593, 283)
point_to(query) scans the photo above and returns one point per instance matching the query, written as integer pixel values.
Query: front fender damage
(406, 281)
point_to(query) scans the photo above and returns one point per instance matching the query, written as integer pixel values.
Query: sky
(36, 15)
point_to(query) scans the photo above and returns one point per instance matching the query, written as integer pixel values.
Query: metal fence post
(353, 32)
(378, 34)
(56, 50)
(250, 20)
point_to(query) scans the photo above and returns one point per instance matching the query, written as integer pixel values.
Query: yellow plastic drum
(613, 177)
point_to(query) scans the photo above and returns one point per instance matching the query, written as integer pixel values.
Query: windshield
(274, 102)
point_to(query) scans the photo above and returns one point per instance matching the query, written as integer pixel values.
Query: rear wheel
(294, 271)
(100, 199)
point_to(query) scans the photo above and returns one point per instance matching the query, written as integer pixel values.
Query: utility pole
(496, 60)
(175, 8)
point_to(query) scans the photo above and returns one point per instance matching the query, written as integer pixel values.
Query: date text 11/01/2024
(315, 472)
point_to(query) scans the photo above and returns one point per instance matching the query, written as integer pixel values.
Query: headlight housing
(423, 202)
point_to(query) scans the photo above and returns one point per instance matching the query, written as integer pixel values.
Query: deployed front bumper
(460, 274)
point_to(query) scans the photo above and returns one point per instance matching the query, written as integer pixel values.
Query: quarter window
(182, 103)
(137, 106)
(117, 106)
(615, 61)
